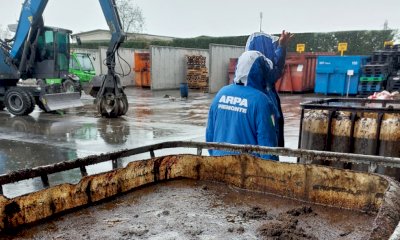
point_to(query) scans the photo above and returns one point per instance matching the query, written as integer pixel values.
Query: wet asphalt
(154, 116)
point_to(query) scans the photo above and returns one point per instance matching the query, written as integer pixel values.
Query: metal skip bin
(208, 193)
(294, 74)
(142, 70)
(299, 72)
(332, 74)
(361, 126)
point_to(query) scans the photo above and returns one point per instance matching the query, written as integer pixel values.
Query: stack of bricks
(197, 72)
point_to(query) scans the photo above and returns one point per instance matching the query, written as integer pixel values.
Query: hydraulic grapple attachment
(111, 100)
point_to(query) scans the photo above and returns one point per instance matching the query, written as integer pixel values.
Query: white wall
(168, 66)
(105, 35)
(220, 57)
(95, 36)
(125, 53)
(140, 36)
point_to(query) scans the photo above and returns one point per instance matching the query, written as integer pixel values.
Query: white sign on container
(350, 72)
(300, 68)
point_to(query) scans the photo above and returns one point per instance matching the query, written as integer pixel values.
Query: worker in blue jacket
(274, 49)
(241, 113)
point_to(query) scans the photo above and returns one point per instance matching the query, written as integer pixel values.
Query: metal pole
(261, 18)
(348, 86)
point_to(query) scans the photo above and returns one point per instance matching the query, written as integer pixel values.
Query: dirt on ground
(286, 226)
(186, 209)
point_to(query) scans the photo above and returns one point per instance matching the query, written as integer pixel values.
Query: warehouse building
(100, 35)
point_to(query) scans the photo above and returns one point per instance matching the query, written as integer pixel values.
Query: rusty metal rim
(319, 105)
(307, 155)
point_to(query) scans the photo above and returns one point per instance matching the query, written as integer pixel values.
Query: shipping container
(333, 74)
(142, 70)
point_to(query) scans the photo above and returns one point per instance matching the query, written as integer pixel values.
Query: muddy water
(186, 209)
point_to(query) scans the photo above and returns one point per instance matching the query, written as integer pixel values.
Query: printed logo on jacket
(234, 104)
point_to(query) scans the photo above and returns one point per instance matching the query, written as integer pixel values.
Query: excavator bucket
(58, 101)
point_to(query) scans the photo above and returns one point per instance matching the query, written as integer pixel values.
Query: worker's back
(241, 113)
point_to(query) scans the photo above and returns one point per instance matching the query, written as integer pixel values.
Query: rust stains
(315, 184)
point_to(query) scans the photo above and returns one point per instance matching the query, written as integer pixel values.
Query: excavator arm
(110, 98)
(29, 20)
(30, 24)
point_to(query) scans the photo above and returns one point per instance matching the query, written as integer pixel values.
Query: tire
(71, 86)
(18, 101)
(33, 102)
(126, 104)
(2, 106)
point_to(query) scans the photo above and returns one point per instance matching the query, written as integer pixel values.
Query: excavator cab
(52, 54)
(51, 69)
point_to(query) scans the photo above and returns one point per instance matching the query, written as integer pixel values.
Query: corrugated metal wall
(168, 66)
(220, 57)
(127, 54)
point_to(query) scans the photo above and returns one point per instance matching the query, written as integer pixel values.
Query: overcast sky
(190, 18)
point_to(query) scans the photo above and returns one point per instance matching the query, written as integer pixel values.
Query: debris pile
(385, 95)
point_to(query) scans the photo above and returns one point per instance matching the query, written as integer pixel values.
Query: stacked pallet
(197, 72)
(376, 72)
(373, 78)
(393, 83)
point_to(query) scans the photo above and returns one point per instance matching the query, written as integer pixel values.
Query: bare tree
(4, 32)
(131, 16)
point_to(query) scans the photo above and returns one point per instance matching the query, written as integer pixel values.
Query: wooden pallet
(197, 72)
(196, 62)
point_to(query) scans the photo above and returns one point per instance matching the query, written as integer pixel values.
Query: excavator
(41, 52)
